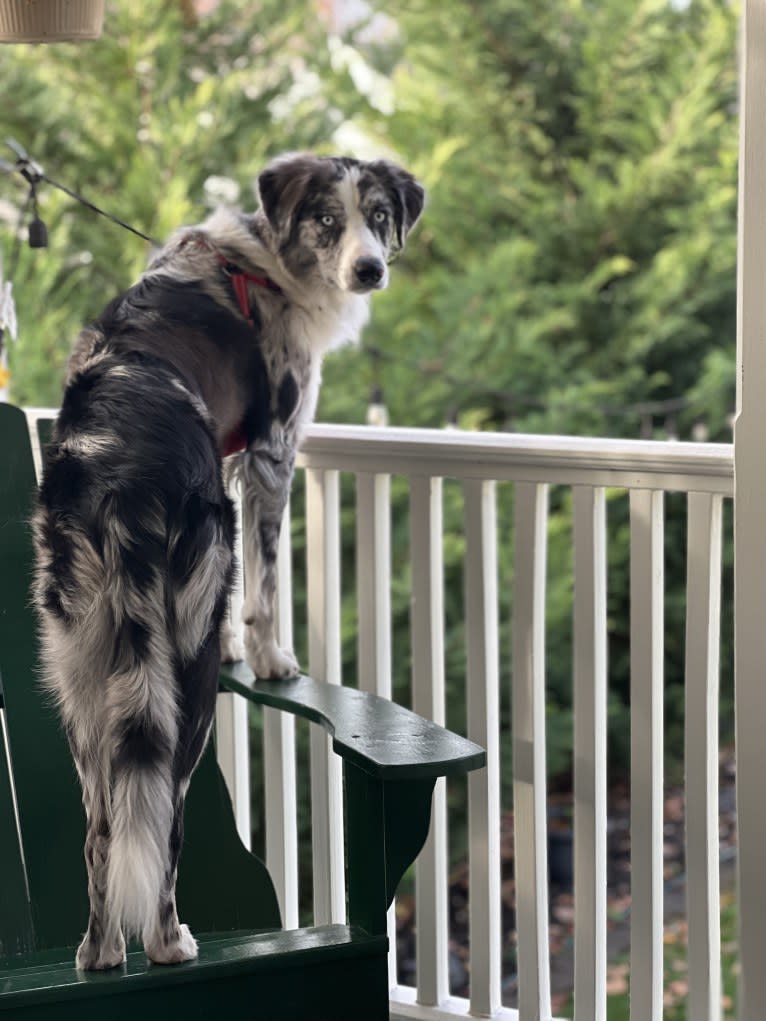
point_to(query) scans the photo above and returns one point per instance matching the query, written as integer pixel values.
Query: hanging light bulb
(453, 421)
(700, 432)
(37, 231)
(377, 412)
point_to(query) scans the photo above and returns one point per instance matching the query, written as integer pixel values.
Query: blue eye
(380, 216)
(327, 219)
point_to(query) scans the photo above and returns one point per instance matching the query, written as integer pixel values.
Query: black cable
(101, 212)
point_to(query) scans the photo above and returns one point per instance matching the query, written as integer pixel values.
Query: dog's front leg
(266, 477)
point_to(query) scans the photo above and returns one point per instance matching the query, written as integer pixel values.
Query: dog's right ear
(282, 185)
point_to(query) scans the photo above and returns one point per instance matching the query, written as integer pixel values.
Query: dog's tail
(138, 854)
(142, 805)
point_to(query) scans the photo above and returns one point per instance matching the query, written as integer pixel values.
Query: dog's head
(339, 220)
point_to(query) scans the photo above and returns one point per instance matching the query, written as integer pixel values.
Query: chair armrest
(380, 737)
(391, 760)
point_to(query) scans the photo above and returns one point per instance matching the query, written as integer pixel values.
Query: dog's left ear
(282, 185)
(406, 195)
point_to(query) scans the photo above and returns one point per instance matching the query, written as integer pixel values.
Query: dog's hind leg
(266, 478)
(168, 941)
(103, 945)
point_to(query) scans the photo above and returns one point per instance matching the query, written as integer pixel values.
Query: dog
(217, 349)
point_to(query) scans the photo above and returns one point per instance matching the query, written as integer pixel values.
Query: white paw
(232, 649)
(92, 956)
(268, 661)
(183, 948)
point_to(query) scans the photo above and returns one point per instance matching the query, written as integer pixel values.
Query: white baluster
(703, 622)
(373, 572)
(529, 765)
(428, 699)
(646, 711)
(323, 568)
(279, 759)
(590, 758)
(483, 685)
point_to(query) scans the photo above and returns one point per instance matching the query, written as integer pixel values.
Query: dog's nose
(369, 271)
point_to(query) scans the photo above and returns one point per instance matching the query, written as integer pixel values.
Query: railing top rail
(568, 460)
(516, 457)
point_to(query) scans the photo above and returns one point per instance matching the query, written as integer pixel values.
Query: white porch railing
(646, 470)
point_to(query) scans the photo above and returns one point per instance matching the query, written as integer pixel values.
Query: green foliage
(574, 272)
(575, 267)
(138, 122)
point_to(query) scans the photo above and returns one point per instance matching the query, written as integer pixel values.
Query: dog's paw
(232, 649)
(268, 661)
(93, 955)
(182, 947)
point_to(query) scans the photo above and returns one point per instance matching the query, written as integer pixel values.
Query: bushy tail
(142, 817)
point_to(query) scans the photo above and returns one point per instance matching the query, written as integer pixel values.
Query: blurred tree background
(574, 271)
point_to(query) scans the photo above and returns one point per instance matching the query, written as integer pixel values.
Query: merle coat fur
(134, 531)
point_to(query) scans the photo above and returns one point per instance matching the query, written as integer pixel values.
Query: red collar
(239, 281)
(239, 278)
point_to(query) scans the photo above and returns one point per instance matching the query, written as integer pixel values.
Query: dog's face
(339, 220)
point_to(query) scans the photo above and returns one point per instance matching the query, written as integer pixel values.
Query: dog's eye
(327, 219)
(380, 216)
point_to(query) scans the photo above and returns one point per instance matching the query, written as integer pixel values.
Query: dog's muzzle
(368, 274)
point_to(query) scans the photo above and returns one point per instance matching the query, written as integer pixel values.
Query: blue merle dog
(217, 349)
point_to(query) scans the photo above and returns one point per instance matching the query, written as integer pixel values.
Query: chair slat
(373, 564)
(590, 750)
(529, 765)
(428, 699)
(48, 794)
(280, 792)
(323, 553)
(703, 622)
(646, 707)
(483, 685)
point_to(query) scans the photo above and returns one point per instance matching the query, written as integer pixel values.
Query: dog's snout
(369, 272)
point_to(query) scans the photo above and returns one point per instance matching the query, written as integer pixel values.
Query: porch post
(750, 515)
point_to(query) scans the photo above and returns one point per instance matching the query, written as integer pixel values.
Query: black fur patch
(197, 529)
(135, 637)
(140, 571)
(142, 745)
(66, 480)
(287, 397)
(257, 421)
(52, 603)
(197, 685)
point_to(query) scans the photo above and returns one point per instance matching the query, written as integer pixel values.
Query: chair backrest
(221, 885)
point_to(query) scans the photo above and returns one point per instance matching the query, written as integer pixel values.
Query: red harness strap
(240, 280)
(235, 442)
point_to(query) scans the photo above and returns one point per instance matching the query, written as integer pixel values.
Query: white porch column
(750, 515)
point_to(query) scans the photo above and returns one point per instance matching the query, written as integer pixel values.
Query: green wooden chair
(248, 966)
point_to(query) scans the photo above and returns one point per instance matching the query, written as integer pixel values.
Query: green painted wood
(387, 824)
(380, 737)
(52, 827)
(221, 886)
(332, 973)
(16, 932)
